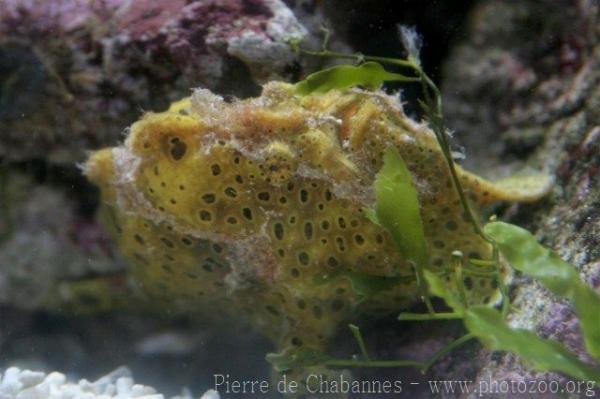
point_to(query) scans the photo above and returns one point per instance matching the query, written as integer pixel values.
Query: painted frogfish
(256, 207)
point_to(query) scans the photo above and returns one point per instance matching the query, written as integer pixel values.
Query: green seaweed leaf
(526, 255)
(488, 325)
(371, 75)
(397, 208)
(439, 288)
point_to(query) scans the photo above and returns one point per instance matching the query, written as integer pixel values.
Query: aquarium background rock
(524, 87)
(88, 68)
(520, 85)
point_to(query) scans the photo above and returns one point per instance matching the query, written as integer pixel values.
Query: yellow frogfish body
(256, 208)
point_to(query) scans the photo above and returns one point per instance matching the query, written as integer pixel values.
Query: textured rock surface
(525, 87)
(45, 241)
(88, 67)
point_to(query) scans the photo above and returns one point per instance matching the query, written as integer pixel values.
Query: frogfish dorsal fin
(521, 187)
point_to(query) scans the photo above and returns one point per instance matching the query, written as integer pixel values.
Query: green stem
(442, 138)
(482, 262)
(439, 129)
(437, 124)
(423, 366)
(422, 288)
(402, 78)
(480, 273)
(458, 278)
(501, 283)
(428, 316)
(361, 343)
(359, 57)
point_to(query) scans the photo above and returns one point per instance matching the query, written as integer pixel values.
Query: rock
(524, 85)
(75, 73)
(45, 241)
